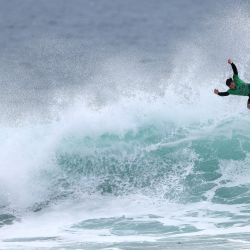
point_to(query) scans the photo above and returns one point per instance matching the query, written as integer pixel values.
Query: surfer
(236, 85)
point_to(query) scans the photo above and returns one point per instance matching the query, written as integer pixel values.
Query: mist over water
(111, 136)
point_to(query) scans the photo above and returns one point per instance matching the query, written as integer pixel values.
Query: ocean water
(110, 134)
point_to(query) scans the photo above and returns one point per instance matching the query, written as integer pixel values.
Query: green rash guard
(242, 88)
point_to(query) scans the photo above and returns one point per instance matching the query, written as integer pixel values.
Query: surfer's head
(230, 83)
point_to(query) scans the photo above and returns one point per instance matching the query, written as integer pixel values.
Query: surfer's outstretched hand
(216, 91)
(229, 61)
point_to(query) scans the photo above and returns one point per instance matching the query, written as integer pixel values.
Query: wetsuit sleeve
(223, 93)
(234, 69)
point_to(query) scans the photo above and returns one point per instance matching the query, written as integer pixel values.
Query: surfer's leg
(248, 103)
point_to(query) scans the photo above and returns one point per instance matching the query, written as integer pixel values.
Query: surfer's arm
(223, 93)
(216, 91)
(234, 69)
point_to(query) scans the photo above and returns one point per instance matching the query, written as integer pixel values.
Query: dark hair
(228, 81)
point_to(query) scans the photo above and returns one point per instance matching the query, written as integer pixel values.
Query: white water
(141, 151)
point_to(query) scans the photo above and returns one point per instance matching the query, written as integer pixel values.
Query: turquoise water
(147, 181)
